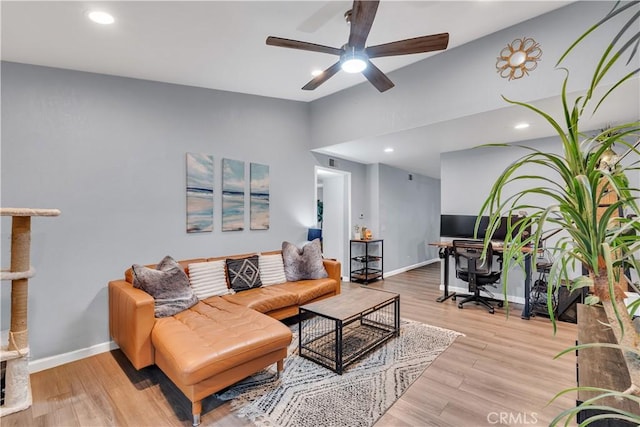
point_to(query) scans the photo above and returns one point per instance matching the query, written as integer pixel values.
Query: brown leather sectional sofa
(220, 340)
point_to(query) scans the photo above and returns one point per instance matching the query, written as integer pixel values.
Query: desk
(446, 250)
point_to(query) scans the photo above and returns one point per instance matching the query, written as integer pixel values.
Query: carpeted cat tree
(16, 352)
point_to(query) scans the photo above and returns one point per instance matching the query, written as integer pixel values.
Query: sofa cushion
(128, 275)
(243, 273)
(208, 279)
(214, 336)
(167, 284)
(303, 263)
(264, 299)
(271, 269)
(308, 290)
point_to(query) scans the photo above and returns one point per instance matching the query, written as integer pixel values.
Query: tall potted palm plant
(603, 241)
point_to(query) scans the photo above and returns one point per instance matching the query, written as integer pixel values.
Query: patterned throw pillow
(271, 269)
(208, 279)
(304, 263)
(167, 284)
(243, 273)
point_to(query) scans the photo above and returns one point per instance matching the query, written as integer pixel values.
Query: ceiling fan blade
(362, 16)
(295, 44)
(377, 77)
(321, 78)
(408, 46)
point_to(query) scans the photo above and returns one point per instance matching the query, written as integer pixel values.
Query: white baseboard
(410, 267)
(60, 359)
(403, 269)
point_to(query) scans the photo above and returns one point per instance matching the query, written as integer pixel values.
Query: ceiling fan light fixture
(355, 54)
(353, 62)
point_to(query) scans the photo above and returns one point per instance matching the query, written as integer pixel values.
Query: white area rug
(306, 394)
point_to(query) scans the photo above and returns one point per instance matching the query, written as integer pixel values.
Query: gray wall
(109, 152)
(409, 217)
(468, 175)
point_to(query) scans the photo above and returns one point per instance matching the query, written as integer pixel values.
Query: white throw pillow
(208, 279)
(271, 269)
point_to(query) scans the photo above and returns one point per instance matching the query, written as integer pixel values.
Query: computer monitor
(464, 226)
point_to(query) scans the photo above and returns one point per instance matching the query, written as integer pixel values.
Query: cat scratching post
(17, 386)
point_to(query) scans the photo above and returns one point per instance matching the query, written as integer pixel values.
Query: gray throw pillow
(303, 263)
(168, 284)
(243, 273)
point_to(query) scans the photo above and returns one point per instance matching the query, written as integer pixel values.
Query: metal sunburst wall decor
(519, 58)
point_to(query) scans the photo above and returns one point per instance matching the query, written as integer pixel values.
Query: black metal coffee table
(335, 332)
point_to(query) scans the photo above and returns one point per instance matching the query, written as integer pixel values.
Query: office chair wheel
(460, 305)
(500, 304)
(453, 298)
(491, 310)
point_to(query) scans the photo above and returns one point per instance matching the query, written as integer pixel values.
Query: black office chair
(477, 272)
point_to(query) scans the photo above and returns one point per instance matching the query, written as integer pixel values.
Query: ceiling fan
(354, 56)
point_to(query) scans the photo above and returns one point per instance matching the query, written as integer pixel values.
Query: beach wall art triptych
(200, 192)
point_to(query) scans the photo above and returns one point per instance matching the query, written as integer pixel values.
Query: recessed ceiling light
(521, 126)
(316, 73)
(388, 150)
(100, 17)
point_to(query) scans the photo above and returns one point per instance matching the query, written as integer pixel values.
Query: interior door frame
(345, 214)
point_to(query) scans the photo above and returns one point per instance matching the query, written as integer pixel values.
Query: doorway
(333, 191)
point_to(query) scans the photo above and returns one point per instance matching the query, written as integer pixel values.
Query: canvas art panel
(259, 206)
(232, 195)
(199, 193)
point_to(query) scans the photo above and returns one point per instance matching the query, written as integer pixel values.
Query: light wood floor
(502, 367)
